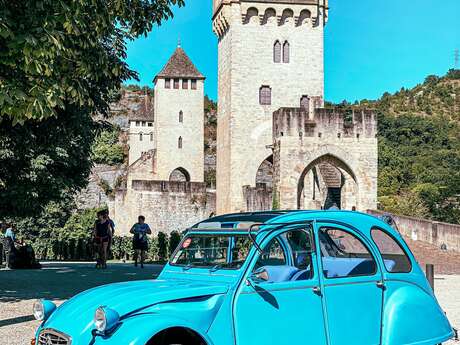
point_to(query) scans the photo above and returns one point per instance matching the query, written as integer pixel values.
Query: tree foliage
(107, 149)
(419, 166)
(43, 161)
(55, 53)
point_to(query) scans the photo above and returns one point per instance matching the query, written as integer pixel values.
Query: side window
(393, 255)
(273, 255)
(291, 262)
(344, 255)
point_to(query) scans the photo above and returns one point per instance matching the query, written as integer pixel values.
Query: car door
(286, 308)
(352, 286)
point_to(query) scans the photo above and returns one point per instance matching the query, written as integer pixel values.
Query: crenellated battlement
(298, 13)
(324, 123)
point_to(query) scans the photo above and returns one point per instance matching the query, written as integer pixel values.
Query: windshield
(213, 251)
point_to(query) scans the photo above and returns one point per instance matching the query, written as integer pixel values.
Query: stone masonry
(345, 140)
(247, 32)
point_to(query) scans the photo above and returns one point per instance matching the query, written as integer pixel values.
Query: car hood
(75, 316)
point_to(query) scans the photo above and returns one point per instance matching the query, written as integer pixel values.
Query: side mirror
(259, 276)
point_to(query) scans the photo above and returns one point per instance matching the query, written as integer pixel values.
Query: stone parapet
(330, 122)
(168, 186)
(440, 234)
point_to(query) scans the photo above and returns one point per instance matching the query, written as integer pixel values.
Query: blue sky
(371, 46)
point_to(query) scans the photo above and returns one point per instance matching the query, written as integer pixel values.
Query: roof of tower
(145, 110)
(179, 65)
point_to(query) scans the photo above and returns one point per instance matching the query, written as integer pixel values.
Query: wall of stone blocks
(167, 206)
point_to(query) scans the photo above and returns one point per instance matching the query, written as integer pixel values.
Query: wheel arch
(178, 335)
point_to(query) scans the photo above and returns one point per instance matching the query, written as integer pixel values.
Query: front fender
(413, 316)
(139, 329)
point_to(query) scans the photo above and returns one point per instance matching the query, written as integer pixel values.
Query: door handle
(381, 284)
(317, 290)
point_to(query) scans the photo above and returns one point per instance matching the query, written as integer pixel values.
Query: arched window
(179, 143)
(286, 52)
(265, 95)
(151, 136)
(140, 136)
(181, 116)
(277, 52)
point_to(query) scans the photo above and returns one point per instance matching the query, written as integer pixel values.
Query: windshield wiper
(188, 266)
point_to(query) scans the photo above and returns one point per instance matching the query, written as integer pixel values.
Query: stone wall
(246, 42)
(346, 140)
(94, 195)
(443, 235)
(167, 206)
(258, 198)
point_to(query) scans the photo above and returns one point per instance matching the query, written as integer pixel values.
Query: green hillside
(419, 149)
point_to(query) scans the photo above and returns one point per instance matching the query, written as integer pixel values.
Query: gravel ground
(60, 281)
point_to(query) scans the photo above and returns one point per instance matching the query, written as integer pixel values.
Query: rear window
(394, 256)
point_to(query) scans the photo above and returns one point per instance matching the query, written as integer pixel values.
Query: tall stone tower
(179, 120)
(270, 56)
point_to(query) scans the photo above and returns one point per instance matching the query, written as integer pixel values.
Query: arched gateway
(324, 157)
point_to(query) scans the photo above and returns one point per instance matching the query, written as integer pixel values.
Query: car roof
(359, 220)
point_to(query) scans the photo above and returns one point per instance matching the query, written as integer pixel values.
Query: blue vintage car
(281, 277)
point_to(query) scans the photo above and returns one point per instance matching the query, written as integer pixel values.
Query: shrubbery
(60, 235)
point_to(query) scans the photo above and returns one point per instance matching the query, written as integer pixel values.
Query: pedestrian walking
(140, 241)
(102, 237)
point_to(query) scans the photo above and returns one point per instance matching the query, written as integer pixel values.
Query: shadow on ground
(61, 281)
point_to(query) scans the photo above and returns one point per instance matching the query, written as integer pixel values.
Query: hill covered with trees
(419, 149)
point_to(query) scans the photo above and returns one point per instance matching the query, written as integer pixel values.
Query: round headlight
(42, 309)
(100, 322)
(105, 319)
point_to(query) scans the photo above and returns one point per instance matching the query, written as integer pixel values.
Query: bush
(174, 240)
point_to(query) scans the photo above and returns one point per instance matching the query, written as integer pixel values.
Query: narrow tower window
(185, 84)
(179, 143)
(286, 52)
(277, 52)
(193, 84)
(151, 136)
(167, 83)
(181, 116)
(140, 136)
(305, 102)
(176, 83)
(265, 95)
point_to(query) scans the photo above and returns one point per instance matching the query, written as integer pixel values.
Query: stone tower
(179, 121)
(270, 56)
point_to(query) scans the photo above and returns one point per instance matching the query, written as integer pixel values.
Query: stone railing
(443, 235)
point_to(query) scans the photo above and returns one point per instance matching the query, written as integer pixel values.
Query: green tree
(56, 53)
(61, 61)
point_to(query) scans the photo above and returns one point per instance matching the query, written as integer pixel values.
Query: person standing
(102, 237)
(140, 241)
(8, 245)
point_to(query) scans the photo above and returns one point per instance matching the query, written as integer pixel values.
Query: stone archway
(179, 175)
(264, 175)
(332, 183)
